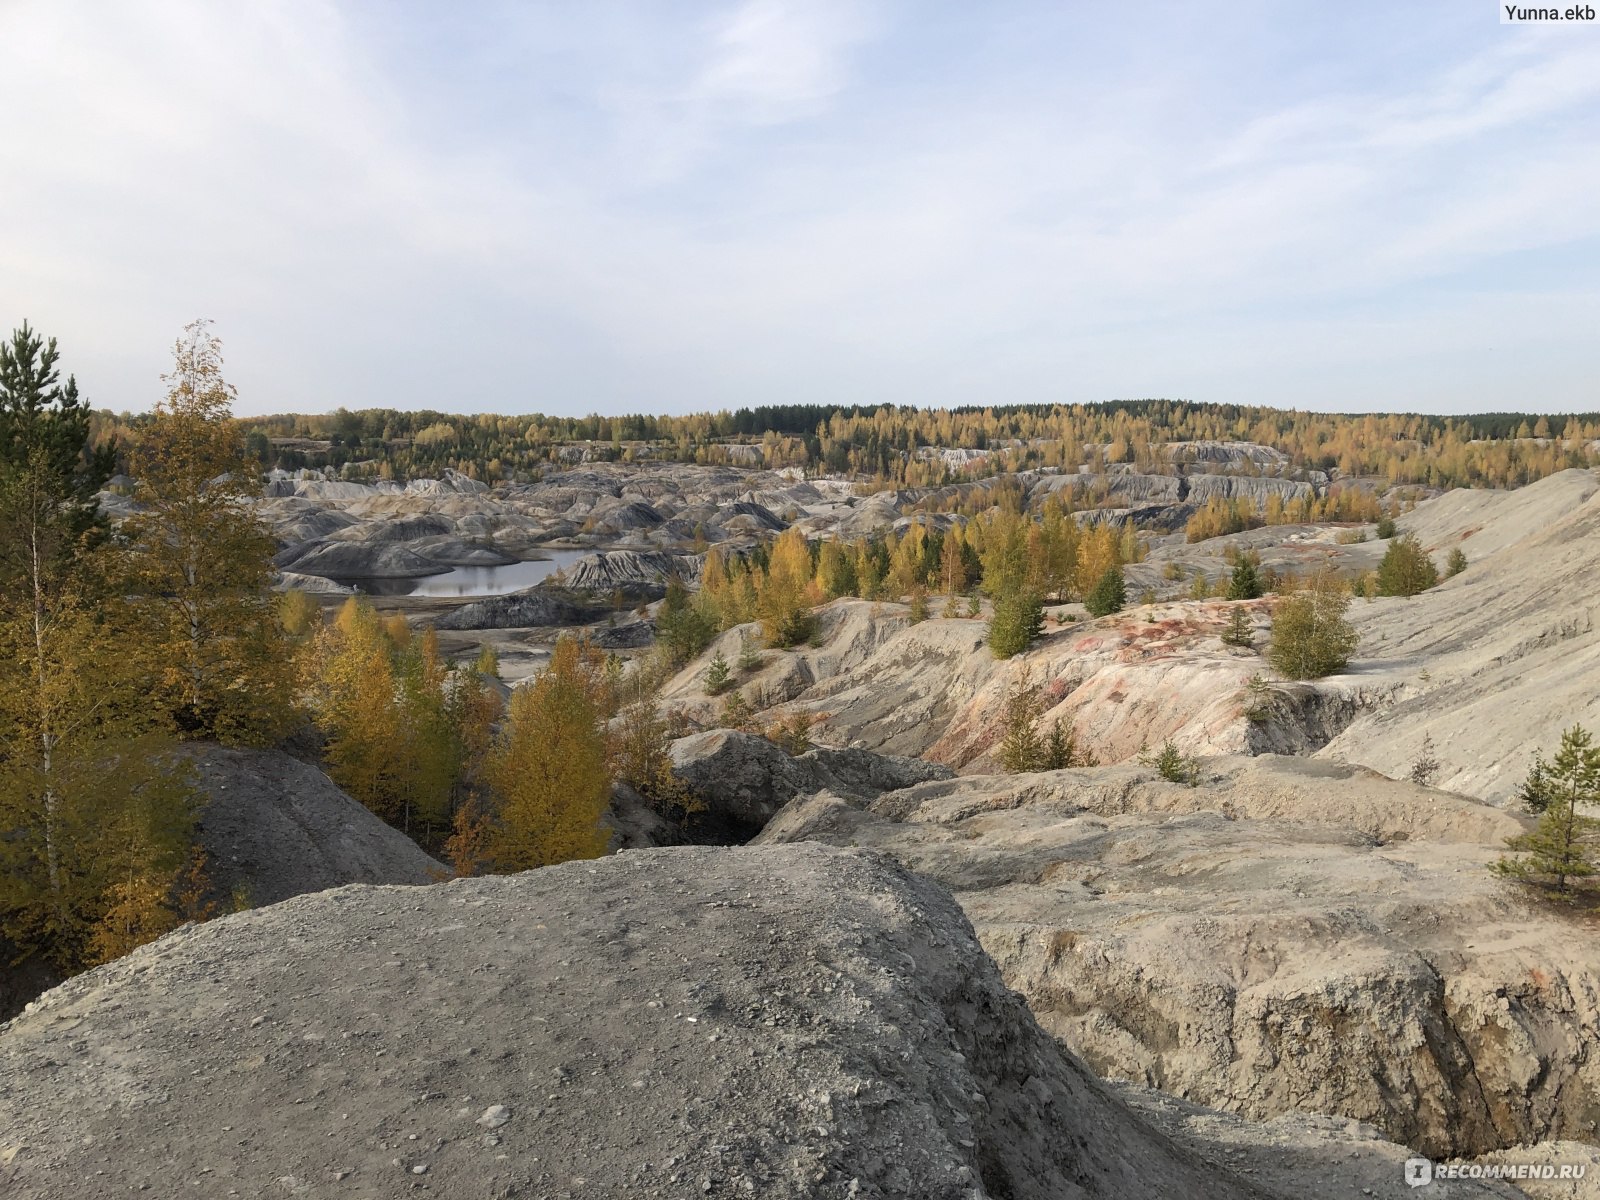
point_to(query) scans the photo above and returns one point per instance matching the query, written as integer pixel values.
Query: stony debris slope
(1289, 936)
(793, 1021)
(1495, 663)
(273, 827)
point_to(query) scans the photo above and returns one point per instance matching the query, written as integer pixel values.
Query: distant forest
(902, 446)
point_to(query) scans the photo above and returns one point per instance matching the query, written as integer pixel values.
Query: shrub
(1257, 700)
(1018, 618)
(1385, 528)
(1310, 635)
(1173, 765)
(792, 732)
(1406, 568)
(1108, 595)
(737, 713)
(1426, 768)
(1456, 563)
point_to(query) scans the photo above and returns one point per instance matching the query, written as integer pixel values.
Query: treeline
(117, 644)
(1017, 560)
(902, 446)
(1222, 515)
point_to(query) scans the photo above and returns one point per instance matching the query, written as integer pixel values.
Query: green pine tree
(1108, 595)
(1246, 581)
(717, 675)
(1021, 748)
(1562, 847)
(1018, 618)
(1239, 632)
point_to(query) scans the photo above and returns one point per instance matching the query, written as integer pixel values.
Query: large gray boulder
(535, 606)
(343, 559)
(270, 827)
(780, 1022)
(742, 780)
(273, 827)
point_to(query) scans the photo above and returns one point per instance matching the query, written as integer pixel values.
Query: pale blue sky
(595, 206)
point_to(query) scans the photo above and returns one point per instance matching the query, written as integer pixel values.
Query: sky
(680, 206)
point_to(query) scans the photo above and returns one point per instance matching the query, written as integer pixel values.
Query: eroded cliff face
(1288, 936)
(1125, 682)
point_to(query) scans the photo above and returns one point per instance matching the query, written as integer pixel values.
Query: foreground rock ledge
(775, 1022)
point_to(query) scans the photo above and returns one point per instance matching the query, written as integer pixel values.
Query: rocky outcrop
(739, 780)
(270, 827)
(273, 827)
(1287, 936)
(291, 581)
(535, 606)
(345, 559)
(933, 689)
(778, 1022)
(1255, 488)
(636, 574)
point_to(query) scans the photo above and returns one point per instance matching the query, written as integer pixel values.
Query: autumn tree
(1018, 603)
(203, 561)
(1562, 847)
(95, 813)
(357, 704)
(430, 747)
(1311, 636)
(299, 614)
(548, 771)
(954, 571)
(784, 593)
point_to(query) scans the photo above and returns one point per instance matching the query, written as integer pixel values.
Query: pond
(473, 581)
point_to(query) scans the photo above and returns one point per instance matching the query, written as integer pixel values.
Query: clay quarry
(885, 965)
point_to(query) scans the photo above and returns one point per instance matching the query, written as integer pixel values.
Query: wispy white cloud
(776, 201)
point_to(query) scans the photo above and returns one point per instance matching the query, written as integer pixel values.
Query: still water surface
(472, 581)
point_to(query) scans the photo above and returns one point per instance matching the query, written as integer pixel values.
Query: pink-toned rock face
(934, 690)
